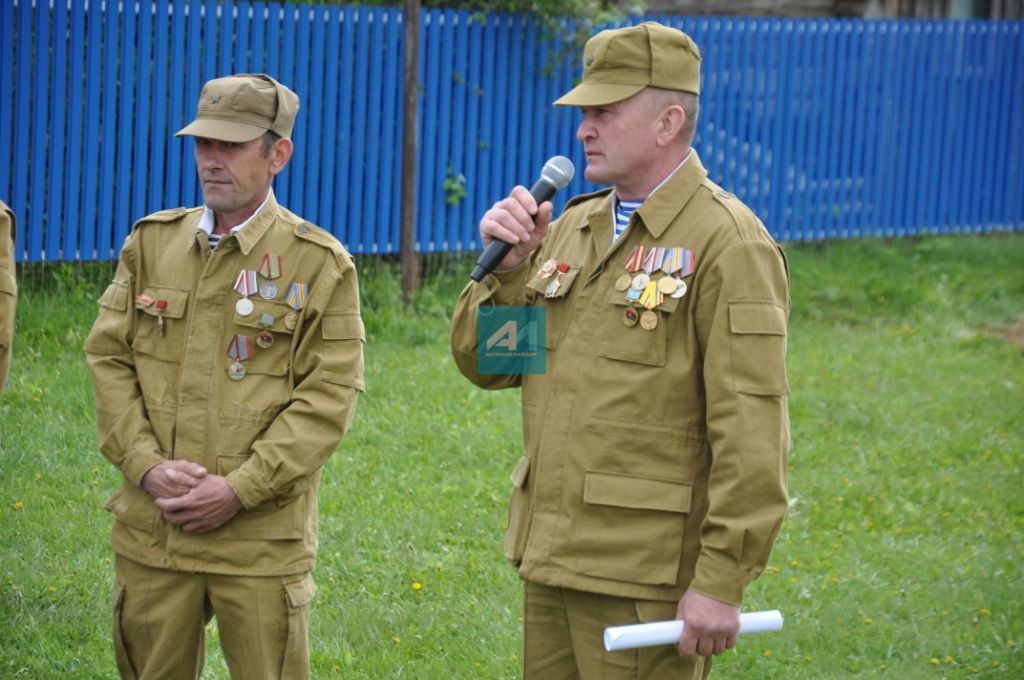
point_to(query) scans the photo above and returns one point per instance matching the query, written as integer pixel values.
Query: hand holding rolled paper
(618, 638)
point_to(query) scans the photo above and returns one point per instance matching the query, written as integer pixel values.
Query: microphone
(555, 174)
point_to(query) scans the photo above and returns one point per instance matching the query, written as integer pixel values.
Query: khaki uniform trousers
(160, 618)
(563, 638)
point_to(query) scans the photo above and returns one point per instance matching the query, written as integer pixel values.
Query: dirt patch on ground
(1013, 333)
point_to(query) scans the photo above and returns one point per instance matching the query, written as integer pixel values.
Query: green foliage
(899, 557)
(454, 186)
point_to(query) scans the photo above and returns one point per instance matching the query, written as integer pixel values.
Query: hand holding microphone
(517, 223)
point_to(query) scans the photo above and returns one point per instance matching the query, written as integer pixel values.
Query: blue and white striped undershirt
(623, 211)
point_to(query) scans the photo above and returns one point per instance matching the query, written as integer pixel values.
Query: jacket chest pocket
(633, 333)
(161, 322)
(553, 293)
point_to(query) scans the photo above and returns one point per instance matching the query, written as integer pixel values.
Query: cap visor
(221, 130)
(598, 94)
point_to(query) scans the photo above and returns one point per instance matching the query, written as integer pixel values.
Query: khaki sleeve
(123, 429)
(501, 288)
(328, 366)
(742, 314)
(8, 291)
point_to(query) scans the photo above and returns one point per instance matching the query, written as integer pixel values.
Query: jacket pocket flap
(300, 591)
(115, 297)
(668, 303)
(175, 299)
(521, 472)
(756, 317)
(344, 326)
(630, 491)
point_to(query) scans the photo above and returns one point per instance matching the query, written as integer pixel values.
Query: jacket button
(303, 229)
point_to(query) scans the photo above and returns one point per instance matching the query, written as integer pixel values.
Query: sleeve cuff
(136, 467)
(250, 490)
(720, 581)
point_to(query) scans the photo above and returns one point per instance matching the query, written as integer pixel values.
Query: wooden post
(407, 245)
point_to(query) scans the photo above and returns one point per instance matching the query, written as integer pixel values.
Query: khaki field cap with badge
(242, 108)
(620, 62)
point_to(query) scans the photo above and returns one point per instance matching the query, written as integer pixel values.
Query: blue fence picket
(826, 128)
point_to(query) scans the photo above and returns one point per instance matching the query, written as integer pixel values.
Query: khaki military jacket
(655, 456)
(8, 290)
(159, 354)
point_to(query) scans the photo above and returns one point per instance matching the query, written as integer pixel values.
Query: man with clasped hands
(227, 359)
(654, 478)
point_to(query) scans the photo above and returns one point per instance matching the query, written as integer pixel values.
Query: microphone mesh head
(558, 171)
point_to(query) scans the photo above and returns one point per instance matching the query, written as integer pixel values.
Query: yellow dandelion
(933, 661)
(794, 564)
(948, 659)
(18, 505)
(417, 586)
(766, 653)
(985, 612)
(835, 581)
(396, 639)
(868, 621)
(1011, 643)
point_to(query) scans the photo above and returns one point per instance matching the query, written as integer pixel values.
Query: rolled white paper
(618, 638)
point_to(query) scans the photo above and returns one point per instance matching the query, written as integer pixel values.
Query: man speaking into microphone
(652, 485)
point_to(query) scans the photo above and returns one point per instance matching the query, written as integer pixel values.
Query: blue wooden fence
(828, 129)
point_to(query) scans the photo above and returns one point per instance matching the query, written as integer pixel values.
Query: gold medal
(667, 285)
(622, 283)
(649, 320)
(630, 317)
(290, 320)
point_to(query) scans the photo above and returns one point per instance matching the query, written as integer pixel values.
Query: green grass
(900, 556)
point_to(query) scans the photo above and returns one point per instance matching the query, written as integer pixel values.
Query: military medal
(680, 290)
(678, 262)
(630, 317)
(245, 285)
(161, 305)
(296, 298)
(239, 350)
(667, 285)
(652, 261)
(290, 320)
(649, 320)
(143, 301)
(640, 281)
(265, 339)
(268, 290)
(547, 269)
(622, 283)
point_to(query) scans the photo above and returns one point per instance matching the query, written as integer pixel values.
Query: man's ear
(280, 154)
(670, 123)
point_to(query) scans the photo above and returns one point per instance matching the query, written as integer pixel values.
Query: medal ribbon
(636, 256)
(270, 266)
(688, 263)
(653, 259)
(651, 297)
(240, 348)
(245, 284)
(297, 296)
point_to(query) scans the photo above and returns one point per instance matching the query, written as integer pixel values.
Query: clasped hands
(190, 497)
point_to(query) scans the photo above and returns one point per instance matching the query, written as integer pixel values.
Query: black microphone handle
(496, 250)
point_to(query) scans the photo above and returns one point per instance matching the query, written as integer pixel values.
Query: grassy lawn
(900, 556)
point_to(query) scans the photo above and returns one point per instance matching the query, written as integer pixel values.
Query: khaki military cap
(243, 107)
(620, 62)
